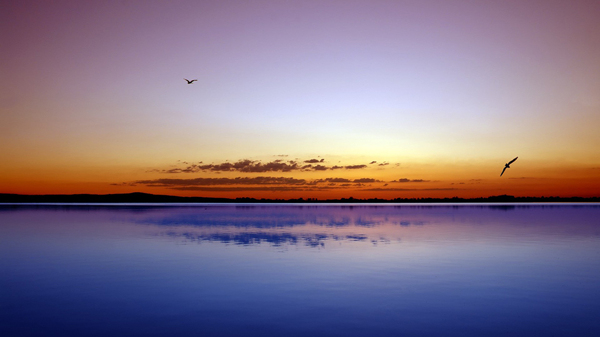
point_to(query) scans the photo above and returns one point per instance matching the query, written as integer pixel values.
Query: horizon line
(141, 197)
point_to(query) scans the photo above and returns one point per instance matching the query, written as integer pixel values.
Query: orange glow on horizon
(383, 182)
(383, 99)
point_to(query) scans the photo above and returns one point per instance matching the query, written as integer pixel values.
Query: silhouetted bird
(507, 165)
(189, 82)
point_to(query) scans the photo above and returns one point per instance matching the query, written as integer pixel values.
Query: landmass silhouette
(139, 197)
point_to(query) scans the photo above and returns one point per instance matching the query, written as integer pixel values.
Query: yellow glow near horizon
(98, 108)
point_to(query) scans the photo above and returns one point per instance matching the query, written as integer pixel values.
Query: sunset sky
(312, 99)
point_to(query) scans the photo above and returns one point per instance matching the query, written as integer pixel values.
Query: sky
(311, 99)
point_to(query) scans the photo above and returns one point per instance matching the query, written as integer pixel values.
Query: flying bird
(507, 165)
(189, 81)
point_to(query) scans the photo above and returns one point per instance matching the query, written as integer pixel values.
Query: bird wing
(510, 162)
(504, 169)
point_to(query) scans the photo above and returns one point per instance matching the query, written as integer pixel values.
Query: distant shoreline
(154, 198)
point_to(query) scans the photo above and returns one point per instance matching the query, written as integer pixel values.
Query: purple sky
(92, 89)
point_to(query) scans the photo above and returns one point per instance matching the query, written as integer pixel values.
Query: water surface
(285, 270)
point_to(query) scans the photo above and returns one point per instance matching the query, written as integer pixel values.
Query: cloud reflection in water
(254, 270)
(315, 226)
(287, 225)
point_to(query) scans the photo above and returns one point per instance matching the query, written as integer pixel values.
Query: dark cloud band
(253, 166)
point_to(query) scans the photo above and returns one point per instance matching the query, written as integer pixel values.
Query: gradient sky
(313, 99)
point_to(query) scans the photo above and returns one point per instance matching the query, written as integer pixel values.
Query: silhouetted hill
(138, 197)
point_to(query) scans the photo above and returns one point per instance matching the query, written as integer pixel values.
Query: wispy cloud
(124, 184)
(334, 180)
(254, 183)
(224, 181)
(408, 189)
(406, 180)
(354, 167)
(345, 180)
(241, 189)
(366, 180)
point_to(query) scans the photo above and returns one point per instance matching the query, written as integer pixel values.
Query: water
(264, 270)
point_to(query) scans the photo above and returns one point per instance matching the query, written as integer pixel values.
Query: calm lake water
(285, 270)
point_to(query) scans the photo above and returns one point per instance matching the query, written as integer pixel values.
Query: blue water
(284, 270)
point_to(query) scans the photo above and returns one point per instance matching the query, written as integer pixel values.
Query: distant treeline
(153, 198)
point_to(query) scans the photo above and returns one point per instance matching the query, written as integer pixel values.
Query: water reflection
(314, 226)
(502, 270)
(275, 239)
(277, 226)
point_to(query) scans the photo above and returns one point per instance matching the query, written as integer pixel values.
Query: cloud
(408, 189)
(406, 180)
(373, 162)
(244, 165)
(320, 168)
(336, 180)
(366, 180)
(294, 188)
(261, 183)
(247, 181)
(313, 161)
(124, 184)
(224, 181)
(383, 164)
(240, 189)
(256, 166)
(354, 167)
